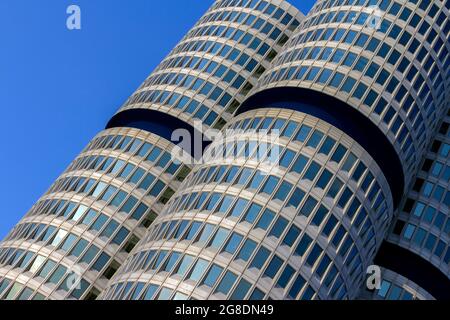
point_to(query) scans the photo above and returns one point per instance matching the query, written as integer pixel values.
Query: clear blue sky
(58, 88)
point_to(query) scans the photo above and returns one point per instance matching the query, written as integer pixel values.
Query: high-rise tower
(99, 208)
(418, 245)
(358, 95)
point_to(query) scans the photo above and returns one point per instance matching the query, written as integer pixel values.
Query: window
(308, 207)
(205, 234)
(247, 250)
(79, 248)
(291, 236)
(278, 227)
(57, 275)
(297, 287)
(219, 238)
(170, 262)
(300, 164)
(227, 282)
(108, 193)
(315, 139)
(270, 185)
(296, 198)
(303, 133)
(324, 179)
(150, 292)
(312, 171)
(313, 256)
(212, 276)
(283, 191)
(274, 267)
(49, 265)
(233, 243)
(266, 219)
(90, 254)
(238, 208)
(241, 290)
(252, 213)
(285, 277)
(183, 266)
(260, 259)
(303, 245)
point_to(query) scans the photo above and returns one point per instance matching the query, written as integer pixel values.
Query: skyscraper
(419, 237)
(357, 94)
(99, 208)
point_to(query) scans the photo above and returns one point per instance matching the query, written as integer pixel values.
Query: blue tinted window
(283, 191)
(266, 219)
(303, 133)
(212, 275)
(274, 267)
(260, 259)
(241, 290)
(296, 198)
(270, 185)
(308, 207)
(297, 287)
(227, 282)
(278, 227)
(285, 277)
(315, 253)
(198, 270)
(315, 139)
(247, 250)
(252, 213)
(233, 243)
(303, 245)
(300, 164)
(291, 236)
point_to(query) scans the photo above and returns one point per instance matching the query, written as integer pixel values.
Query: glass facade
(423, 224)
(395, 287)
(356, 94)
(395, 72)
(304, 229)
(79, 233)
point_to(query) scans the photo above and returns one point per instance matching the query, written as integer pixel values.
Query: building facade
(77, 235)
(420, 235)
(356, 94)
(352, 81)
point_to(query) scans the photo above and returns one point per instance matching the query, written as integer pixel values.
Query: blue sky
(58, 88)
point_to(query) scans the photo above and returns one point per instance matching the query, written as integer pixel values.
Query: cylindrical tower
(78, 234)
(365, 84)
(396, 287)
(243, 227)
(385, 63)
(420, 238)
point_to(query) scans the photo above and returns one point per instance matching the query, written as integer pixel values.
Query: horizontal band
(156, 122)
(412, 266)
(343, 117)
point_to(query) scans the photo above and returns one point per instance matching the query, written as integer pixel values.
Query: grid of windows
(423, 225)
(212, 70)
(93, 216)
(100, 207)
(397, 76)
(305, 227)
(396, 287)
(279, 231)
